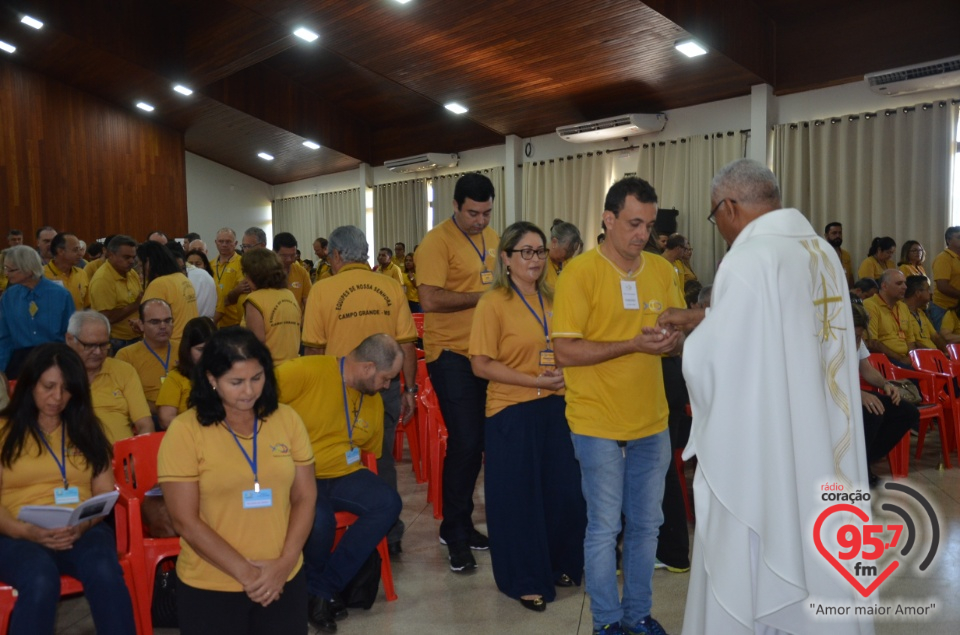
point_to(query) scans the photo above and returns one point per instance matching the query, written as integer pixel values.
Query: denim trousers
(377, 508)
(936, 315)
(624, 480)
(35, 570)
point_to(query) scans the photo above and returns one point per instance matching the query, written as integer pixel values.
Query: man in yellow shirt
(833, 233)
(44, 235)
(917, 298)
(946, 277)
(889, 331)
(116, 290)
(339, 401)
(228, 274)
(154, 357)
(387, 267)
(66, 253)
(399, 253)
(321, 269)
(298, 280)
(607, 303)
(14, 238)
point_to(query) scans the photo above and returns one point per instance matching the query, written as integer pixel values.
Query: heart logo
(829, 557)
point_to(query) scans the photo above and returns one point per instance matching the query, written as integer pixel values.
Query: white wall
(220, 197)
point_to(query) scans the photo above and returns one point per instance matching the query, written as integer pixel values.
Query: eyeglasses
(159, 322)
(527, 253)
(712, 215)
(89, 347)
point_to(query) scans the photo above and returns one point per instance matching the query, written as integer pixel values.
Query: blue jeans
(936, 314)
(627, 480)
(377, 508)
(35, 572)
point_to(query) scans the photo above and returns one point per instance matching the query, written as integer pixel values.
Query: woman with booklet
(53, 451)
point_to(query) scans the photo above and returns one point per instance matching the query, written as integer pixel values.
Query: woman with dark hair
(175, 390)
(879, 258)
(535, 510)
(238, 478)
(410, 283)
(163, 279)
(912, 256)
(54, 451)
(271, 310)
(199, 260)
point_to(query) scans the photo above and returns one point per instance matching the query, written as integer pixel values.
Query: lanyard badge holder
(253, 498)
(165, 364)
(486, 276)
(353, 454)
(62, 495)
(546, 355)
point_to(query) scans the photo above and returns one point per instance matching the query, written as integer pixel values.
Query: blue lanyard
(346, 408)
(483, 241)
(253, 463)
(543, 322)
(62, 461)
(166, 364)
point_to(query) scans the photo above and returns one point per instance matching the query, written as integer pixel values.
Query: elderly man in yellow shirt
(153, 357)
(889, 331)
(228, 274)
(62, 268)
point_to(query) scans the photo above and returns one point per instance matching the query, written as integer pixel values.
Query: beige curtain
(569, 188)
(443, 187)
(879, 174)
(309, 217)
(400, 213)
(680, 171)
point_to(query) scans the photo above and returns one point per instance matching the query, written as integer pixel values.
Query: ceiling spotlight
(265, 156)
(9, 48)
(35, 23)
(454, 107)
(403, 1)
(142, 105)
(306, 34)
(183, 90)
(312, 145)
(690, 48)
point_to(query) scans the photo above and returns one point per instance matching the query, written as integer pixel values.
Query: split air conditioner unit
(422, 162)
(612, 128)
(935, 75)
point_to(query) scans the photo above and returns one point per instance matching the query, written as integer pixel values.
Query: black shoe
(320, 614)
(461, 560)
(536, 604)
(338, 607)
(477, 541)
(394, 548)
(564, 580)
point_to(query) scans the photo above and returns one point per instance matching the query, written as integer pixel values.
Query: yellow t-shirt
(946, 266)
(950, 324)
(33, 477)
(392, 271)
(922, 330)
(871, 268)
(410, 287)
(553, 272)
(227, 276)
(209, 456)
(621, 398)
(109, 290)
(179, 293)
(312, 386)
(911, 270)
(321, 271)
(175, 391)
(118, 399)
(889, 326)
(344, 310)
(298, 281)
(149, 367)
(281, 321)
(684, 271)
(450, 260)
(506, 331)
(93, 267)
(75, 281)
(847, 263)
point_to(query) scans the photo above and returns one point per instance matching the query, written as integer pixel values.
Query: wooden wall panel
(70, 160)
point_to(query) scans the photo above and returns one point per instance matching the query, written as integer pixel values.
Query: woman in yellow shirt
(535, 509)
(879, 258)
(163, 279)
(53, 451)
(912, 256)
(410, 283)
(271, 310)
(175, 390)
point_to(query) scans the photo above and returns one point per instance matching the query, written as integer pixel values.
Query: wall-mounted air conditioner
(612, 128)
(935, 75)
(421, 162)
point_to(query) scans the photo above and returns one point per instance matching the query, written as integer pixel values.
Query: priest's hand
(681, 319)
(871, 402)
(891, 390)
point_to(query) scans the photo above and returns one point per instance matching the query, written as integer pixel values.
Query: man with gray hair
(771, 435)
(254, 238)
(228, 274)
(116, 290)
(565, 243)
(350, 306)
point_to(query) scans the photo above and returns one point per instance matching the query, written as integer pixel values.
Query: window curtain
(400, 213)
(879, 174)
(309, 217)
(681, 171)
(569, 188)
(443, 187)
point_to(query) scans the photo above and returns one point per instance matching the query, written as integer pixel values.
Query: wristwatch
(411, 389)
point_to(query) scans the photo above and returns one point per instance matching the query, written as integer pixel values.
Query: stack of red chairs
(433, 436)
(412, 431)
(934, 362)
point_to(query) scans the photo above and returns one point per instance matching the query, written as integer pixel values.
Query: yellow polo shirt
(209, 457)
(847, 263)
(175, 391)
(281, 321)
(451, 260)
(344, 310)
(180, 294)
(75, 281)
(93, 267)
(149, 367)
(684, 271)
(109, 290)
(313, 387)
(298, 281)
(922, 330)
(622, 398)
(946, 266)
(392, 271)
(871, 268)
(950, 324)
(321, 271)
(890, 326)
(911, 270)
(552, 273)
(118, 399)
(227, 276)
(410, 287)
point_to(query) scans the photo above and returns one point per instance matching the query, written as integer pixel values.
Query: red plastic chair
(412, 431)
(418, 322)
(953, 350)
(933, 361)
(135, 470)
(437, 450)
(345, 519)
(423, 386)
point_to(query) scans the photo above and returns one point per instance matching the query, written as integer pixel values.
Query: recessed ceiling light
(690, 48)
(305, 34)
(183, 90)
(35, 23)
(9, 48)
(312, 145)
(454, 107)
(403, 1)
(142, 105)
(265, 156)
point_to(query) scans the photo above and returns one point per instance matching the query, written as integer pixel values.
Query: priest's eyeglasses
(527, 253)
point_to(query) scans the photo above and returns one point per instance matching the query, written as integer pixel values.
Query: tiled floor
(435, 600)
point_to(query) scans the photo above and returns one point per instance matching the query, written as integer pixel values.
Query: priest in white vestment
(774, 389)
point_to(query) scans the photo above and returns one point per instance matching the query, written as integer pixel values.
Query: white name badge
(628, 291)
(65, 496)
(353, 456)
(254, 500)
